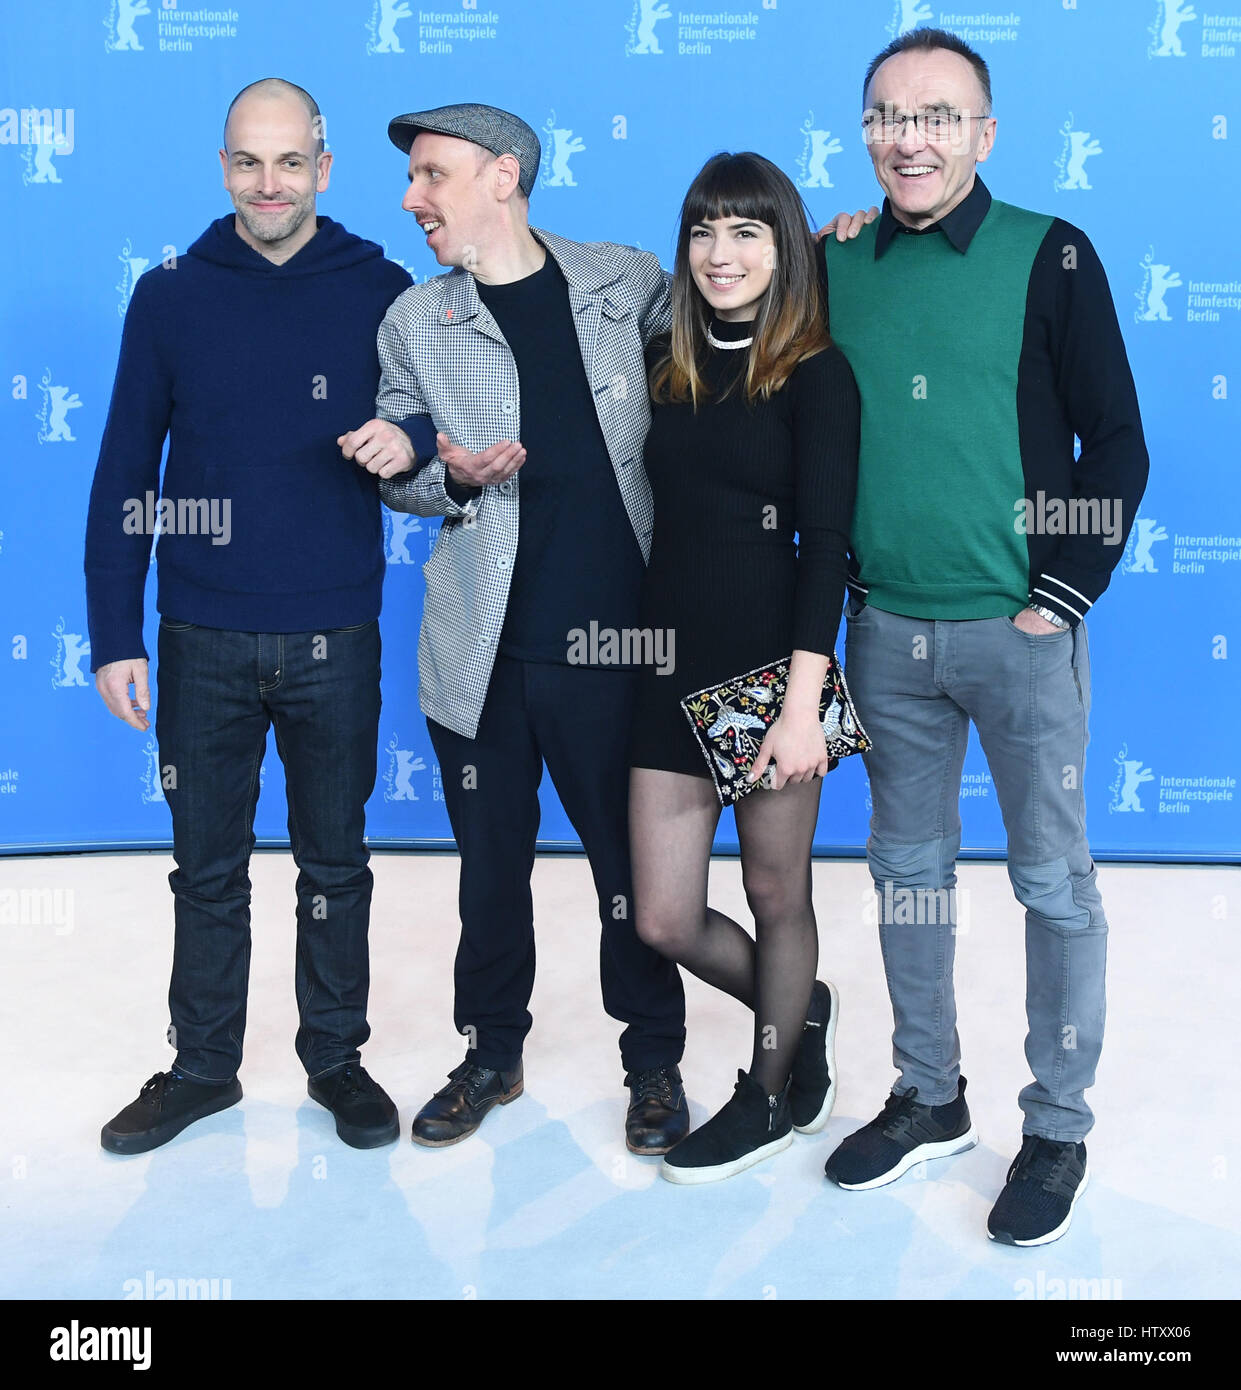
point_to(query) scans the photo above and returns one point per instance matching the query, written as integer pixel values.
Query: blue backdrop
(1113, 114)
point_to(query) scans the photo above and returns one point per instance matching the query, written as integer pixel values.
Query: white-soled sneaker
(752, 1126)
(903, 1134)
(812, 1092)
(1044, 1182)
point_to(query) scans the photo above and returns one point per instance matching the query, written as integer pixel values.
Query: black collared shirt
(958, 226)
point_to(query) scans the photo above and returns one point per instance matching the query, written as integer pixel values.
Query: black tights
(672, 821)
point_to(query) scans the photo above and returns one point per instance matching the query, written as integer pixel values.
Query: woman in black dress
(752, 459)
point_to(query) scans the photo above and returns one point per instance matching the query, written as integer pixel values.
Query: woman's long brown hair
(789, 325)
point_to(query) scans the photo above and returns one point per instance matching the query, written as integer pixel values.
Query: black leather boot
(658, 1114)
(455, 1111)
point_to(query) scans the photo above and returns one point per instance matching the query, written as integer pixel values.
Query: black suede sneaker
(812, 1092)
(1044, 1182)
(902, 1135)
(365, 1115)
(455, 1111)
(166, 1104)
(658, 1114)
(752, 1126)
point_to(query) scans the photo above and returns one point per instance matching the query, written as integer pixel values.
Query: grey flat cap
(498, 131)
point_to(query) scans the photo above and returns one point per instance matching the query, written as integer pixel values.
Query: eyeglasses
(940, 123)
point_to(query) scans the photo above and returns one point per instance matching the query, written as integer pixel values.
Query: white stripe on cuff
(1051, 579)
(1056, 599)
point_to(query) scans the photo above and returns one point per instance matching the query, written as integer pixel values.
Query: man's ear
(507, 172)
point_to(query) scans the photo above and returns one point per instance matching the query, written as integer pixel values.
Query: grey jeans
(917, 684)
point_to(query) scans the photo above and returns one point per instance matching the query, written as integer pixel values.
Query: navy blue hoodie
(252, 370)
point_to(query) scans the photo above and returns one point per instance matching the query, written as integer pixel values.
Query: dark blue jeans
(218, 693)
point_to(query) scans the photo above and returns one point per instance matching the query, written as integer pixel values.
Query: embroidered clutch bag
(730, 721)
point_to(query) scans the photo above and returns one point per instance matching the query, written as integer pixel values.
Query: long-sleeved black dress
(750, 546)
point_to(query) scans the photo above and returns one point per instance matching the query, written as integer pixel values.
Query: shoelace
(1042, 1160)
(349, 1081)
(897, 1114)
(466, 1078)
(654, 1084)
(153, 1091)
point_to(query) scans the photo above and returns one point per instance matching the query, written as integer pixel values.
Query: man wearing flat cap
(531, 338)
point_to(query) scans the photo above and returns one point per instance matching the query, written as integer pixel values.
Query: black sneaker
(902, 1135)
(752, 1126)
(1045, 1181)
(365, 1115)
(455, 1111)
(813, 1090)
(165, 1106)
(658, 1114)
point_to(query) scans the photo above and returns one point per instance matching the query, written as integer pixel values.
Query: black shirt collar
(958, 226)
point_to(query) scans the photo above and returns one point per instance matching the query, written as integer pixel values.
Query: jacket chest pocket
(481, 399)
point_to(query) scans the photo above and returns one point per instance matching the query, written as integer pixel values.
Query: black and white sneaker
(901, 1136)
(812, 1092)
(752, 1126)
(1045, 1181)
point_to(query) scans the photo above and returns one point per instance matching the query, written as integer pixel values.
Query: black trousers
(576, 719)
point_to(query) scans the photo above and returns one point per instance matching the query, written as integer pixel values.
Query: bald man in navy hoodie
(252, 354)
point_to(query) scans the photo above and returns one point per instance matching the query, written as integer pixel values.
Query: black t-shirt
(578, 560)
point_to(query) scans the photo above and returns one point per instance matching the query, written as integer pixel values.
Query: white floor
(545, 1201)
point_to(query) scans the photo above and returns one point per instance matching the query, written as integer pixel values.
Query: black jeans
(218, 693)
(577, 720)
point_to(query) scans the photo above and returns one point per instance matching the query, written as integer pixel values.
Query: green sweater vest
(934, 339)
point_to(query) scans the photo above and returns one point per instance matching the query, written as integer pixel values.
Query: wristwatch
(1048, 615)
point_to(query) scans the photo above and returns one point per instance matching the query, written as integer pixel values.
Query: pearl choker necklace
(727, 346)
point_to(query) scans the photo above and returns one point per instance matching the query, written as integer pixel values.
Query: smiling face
(457, 192)
(926, 178)
(732, 260)
(273, 173)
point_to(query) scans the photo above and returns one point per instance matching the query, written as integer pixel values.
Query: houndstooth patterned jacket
(442, 353)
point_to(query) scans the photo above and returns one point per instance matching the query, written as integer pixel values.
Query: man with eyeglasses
(984, 339)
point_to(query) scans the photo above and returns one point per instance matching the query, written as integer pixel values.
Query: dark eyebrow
(733, 226)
